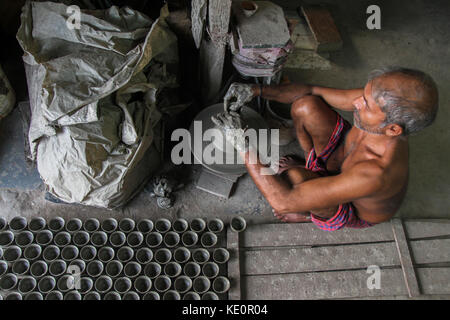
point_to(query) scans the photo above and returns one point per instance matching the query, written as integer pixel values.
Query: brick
(324, 29)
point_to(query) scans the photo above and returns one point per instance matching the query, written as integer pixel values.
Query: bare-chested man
(354, 176)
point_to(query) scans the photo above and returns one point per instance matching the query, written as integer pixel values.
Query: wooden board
(434, 280)
(322, 285)
(323, 28)
(292, 260)
(342, 284)
(409, 274)
(422, 297)
(300, 261)
(430, 251)
(297, 234)
(234, 269)
(306, 234)
(418, 229)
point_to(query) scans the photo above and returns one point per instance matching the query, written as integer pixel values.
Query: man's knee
(305, 106)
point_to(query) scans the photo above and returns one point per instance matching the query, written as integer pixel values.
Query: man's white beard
(357, 123)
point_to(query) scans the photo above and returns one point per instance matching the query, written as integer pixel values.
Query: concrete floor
(414, 34)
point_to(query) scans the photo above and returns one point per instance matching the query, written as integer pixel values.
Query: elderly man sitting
(355, 176)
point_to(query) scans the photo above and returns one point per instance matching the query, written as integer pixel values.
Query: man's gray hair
(411, 115)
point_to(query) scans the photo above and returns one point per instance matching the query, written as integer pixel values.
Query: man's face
(368, 116)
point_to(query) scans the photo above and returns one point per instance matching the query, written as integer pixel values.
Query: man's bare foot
(288, 162)
(292, 217)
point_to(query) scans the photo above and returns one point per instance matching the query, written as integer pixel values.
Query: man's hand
(243, 93)
(227, 120)
(231, 125)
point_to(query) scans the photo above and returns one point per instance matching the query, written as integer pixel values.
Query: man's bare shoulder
(384, 168)
(370, 171)
(387, 190)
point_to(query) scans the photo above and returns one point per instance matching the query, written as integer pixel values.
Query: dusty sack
(93, 98)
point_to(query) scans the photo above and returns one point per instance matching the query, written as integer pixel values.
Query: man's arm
(338, 98)
(288, 93)
(362, 180)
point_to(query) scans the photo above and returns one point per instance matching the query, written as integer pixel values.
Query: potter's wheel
(250, 118)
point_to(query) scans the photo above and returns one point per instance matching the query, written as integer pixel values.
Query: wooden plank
(417, 229)
(292, 260)
(323, 28)
(234, 272)
(434, 280)
(405, 258)
(345, 284)
(322, 285)
(307, 234)
(430, 251)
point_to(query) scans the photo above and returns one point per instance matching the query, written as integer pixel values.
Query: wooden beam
(294, 260)
(434, 280)
(430, 251)
(234, 266)
(322, 285)
(409, 273)
(307, 234)
(429, 228)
